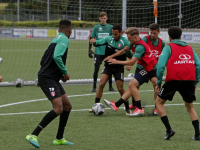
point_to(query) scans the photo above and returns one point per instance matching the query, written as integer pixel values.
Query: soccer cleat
(196, 138)
(128, 112)
(62, 142)
(33, 139)
(155, 112)
(111, 105)
(132, 107)
(112, 89)
(170, 134)
(90, 111)
(137, 112)
(94, 90)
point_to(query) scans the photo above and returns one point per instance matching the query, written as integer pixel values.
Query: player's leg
(167, 91)
(52, 92)
(110, 84)
(97, 63)
(154, 82)
(187, 91)
(63, 120)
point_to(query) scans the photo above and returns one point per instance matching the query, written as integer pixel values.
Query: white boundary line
(20, 113)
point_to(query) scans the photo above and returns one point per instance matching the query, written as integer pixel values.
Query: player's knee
(132, 85)
(58, 110)
(101, 85)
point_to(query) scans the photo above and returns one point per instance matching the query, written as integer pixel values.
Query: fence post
(123, 15)
(47, 10)
(180, 15)
(79, 18)
(17, 10)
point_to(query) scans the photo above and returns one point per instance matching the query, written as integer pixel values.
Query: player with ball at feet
(146, 70)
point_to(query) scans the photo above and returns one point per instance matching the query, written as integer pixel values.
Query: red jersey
(147, 61)
(155, 50)
(180, 65)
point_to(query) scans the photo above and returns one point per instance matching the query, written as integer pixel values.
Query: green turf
(112, 130)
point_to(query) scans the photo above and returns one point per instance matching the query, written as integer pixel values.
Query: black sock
(97, 100)
(126, 104)
(45, 121)
(166, 123)
(119, 102)
(94, 85)
(63, 121)
(195, 123)
(138, 104)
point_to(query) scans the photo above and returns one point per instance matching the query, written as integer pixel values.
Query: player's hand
(128, 68)
(92, 40)
(107, 58)
(112, 61)
(126, 48)
(1, 78)
(157, 89)
(65, 77)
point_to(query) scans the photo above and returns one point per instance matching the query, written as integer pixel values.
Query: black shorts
(98, 59)
(141, 75)
(117, 72)
(51, 88)
(185, 88)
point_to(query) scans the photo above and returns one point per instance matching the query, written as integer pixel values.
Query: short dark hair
(64, 24)
(174, 32)
(117, 27)
(102, 14)
(154, 26)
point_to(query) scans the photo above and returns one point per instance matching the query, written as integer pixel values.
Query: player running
(145, 71)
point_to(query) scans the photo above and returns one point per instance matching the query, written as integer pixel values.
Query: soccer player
(100, 31)
(183, 73)
(51, 71)
(156, 45)
(1, 78)
(113, 43)
(145, 71)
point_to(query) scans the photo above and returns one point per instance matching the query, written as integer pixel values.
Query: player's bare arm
(129, 62)
(121, 52)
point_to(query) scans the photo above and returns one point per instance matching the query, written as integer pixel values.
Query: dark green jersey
(100, 32)
(113, 46)
(54, 59)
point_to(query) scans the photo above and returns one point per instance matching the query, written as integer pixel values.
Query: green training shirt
(100, 32)
(165, 55)
(113, 46)
(54, 59)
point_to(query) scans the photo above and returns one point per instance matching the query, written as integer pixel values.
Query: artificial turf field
(21, 109)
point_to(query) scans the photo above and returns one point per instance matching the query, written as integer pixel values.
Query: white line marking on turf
(40, 112)
(35, 100)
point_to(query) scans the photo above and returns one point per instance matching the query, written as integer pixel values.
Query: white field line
(42, 50)
(11, 104)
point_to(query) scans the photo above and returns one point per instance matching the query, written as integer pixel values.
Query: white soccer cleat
(137, 112)
(111, 105)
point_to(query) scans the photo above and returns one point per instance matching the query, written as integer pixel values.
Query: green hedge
(82, 24)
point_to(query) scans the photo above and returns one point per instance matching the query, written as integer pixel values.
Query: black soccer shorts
(51, 88)
(141, 75)
(98, 59)
(185, 88)
(117, 72)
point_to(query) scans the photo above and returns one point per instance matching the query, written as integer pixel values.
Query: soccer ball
(1, 60)
(98, 109)
(130, 75)
(18, 82)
